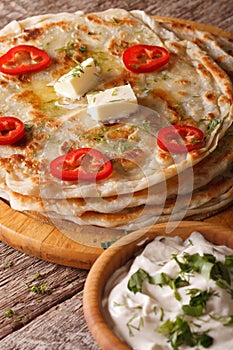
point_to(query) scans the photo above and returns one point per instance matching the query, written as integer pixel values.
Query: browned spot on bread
(30, 97)
(115, 21)
(210, 96)
(117, 46)
(32, 34)
(214, 68)
(198, 42)
(204, 72)
(210, 116)
(183, 81)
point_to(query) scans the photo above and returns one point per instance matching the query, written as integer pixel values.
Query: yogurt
(175, 295)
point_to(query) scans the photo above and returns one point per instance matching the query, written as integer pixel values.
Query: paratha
(192, 90)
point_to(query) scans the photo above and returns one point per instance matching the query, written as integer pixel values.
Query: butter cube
(78, 81)
(112, 104)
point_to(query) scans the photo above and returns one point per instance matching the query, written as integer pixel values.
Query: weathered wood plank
(29, 287)
(63, 327)
(218, 13)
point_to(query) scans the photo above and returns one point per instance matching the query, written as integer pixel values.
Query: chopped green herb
(136, 66)
(114, 92)
(146, 125)
(19, 318)
(131, 326)
(9, 264)
(161, 314)
(68, 49)
(165, 76)
(229, 322)
(197, 303)
(136, 280)
(83, 49)
(37, 275)
(40, 289)
(9, 313)
(179, 110)
(229, 263)
(212, 124)
(118, 304)
(220, 272)
(118, 100)
(107, 244)
(179, 333)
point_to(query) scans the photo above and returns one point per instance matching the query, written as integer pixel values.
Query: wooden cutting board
(45, 241)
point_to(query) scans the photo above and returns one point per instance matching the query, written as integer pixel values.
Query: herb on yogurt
(180, 333)
(135, 323)
(136, 280)
(197, 303)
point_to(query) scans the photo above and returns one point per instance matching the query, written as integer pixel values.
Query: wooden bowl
(121, 252)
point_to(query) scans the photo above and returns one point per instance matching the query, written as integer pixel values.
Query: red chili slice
(145, 58)
(11, 130)
(85, 164)
(24, 59)
(180, 139)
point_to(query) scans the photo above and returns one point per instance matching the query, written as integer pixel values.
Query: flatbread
(193, 89)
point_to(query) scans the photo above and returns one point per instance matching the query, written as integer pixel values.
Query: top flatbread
(192, 89)
(192, 86)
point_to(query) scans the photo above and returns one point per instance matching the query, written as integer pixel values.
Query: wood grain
(19, 292)
(43, 240)
(120, 253)
(217, 13)
(54, 330)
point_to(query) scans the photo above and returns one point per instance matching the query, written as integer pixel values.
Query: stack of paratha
(147, 184)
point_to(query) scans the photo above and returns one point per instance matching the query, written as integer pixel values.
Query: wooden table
(51, 316)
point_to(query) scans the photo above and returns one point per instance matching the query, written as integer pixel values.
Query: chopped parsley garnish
(197, 303)
(180, 333)
(136, 280)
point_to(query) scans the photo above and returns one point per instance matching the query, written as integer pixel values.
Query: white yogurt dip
(175, 295)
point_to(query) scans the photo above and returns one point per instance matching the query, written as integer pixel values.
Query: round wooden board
(47, 242)
(43, 240)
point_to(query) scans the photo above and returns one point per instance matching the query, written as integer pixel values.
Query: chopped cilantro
(180, 333)
(136, 280)
(197, 303)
